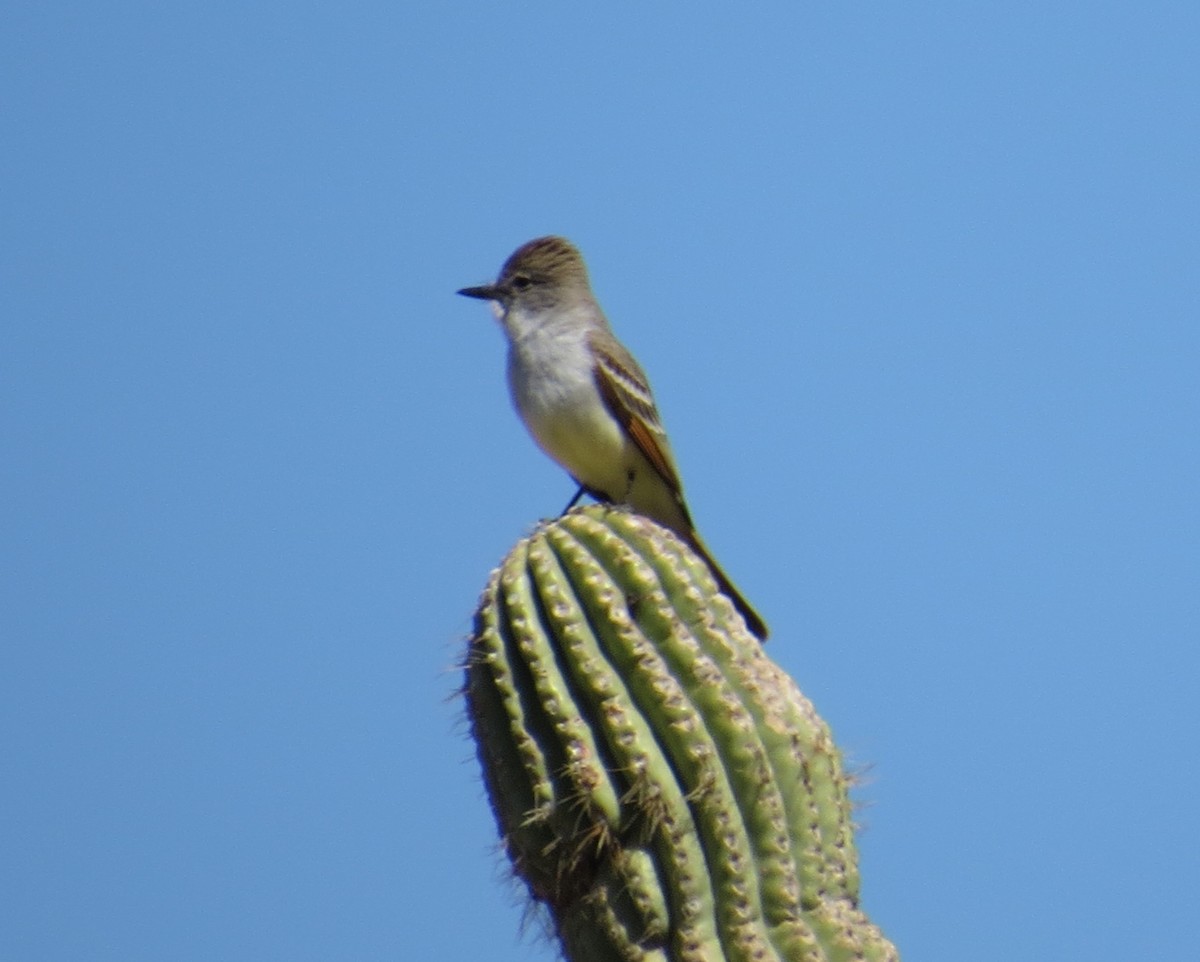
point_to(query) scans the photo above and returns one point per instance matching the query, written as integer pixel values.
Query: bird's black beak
(488, 292)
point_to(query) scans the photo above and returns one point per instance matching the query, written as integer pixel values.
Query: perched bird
(584, 398)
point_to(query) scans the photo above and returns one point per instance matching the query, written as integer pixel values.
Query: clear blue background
(917, 288)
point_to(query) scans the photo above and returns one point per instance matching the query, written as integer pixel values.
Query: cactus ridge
(747, 841)
(660, 785)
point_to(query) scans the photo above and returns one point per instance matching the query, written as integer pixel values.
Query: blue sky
(917, 289)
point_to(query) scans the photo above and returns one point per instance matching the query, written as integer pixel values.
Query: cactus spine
(661, 786)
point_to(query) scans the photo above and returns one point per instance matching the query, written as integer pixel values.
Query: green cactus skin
(661, 786)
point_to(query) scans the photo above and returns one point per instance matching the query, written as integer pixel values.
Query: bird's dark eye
(522, 281)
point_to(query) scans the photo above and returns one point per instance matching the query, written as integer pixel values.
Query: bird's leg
(600, 496)
(629, 478)
(621, 503)
(575, 500)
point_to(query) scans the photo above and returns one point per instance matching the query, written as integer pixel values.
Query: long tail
(754, 621)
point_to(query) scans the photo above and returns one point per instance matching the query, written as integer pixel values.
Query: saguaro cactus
(661, 786)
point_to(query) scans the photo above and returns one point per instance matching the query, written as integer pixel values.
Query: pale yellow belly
(597, 453)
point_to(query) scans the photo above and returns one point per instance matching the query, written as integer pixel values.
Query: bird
(585, 399)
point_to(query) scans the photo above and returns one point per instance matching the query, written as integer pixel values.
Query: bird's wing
(626, 391)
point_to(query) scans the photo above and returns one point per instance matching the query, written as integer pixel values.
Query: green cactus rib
(663, 788)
